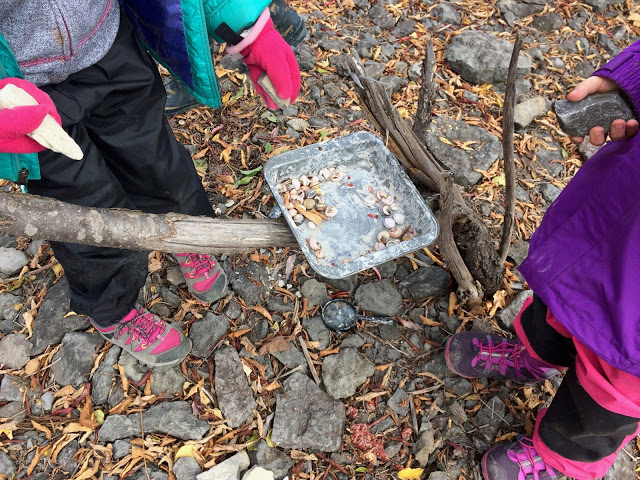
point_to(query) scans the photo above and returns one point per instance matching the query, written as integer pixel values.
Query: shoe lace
(144, 325)
(503, 355)
(199, 264)
(532, 466)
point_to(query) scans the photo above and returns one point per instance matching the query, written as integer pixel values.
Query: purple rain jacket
(584, 259)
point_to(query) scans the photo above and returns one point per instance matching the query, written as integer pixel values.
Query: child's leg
(114, 110)
(543, 336)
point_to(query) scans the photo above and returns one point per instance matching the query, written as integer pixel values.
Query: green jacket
(177, 33)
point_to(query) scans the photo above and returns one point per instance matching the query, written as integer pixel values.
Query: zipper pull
(23, 175)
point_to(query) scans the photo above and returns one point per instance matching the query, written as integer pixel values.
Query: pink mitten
(264, 50)
(16, 123)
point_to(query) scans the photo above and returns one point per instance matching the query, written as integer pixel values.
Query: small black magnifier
(340, 315)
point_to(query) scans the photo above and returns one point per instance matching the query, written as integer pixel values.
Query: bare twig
(427, 94)
(312, 367)
(469, 291)
(507, 148)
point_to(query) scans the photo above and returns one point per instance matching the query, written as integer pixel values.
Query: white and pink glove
(264, 50)
(16, 123)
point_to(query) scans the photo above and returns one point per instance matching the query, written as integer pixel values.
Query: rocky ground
(268, 388)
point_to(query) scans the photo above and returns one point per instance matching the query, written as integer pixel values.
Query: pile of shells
(393, 221)
(304, 200)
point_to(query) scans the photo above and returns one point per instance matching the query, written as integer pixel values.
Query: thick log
(45, 218)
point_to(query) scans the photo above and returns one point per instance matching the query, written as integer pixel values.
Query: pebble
(379, 298)
(318, 332)
(230, 469)
(12, 389)
(186, 468)
(205, 333)
(272, 459)
(12, 261)
(399, 402)
(235, 397)
(315, 292)
(343, 373)
(7, 467)
(14, 351)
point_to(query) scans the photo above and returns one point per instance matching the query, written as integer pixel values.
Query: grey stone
(438, 476)
(13, 412)
(438, 366)
(458, 385)
(14, 351)
(318, 331)
(414, 72)
(587, 149)
(232, 310)
(298, 124)
(12, 389)
(12, 261)
(447, 13)
(521, 8)
(8, 302)
(352, 341)
(133, 369)
(399, 402)
(550, 158)
(277, 305)
(46, 400)
(458, 413)
(340, 63)
(186, 468)
(485, 151)
(150, 471)
(105, 377)
(599, 109)
(380, 298)
(549, 192)
(333, 90)
(489, 418)
(121, 449)
(168, 380)
(387, 269)
(381, 17)
(306, 56)
(426, 282)
(481, 57)
(393, 83)
(174, 273)
(507, 315)
(228, 470)
(74, 361)
(526, 111)
(519, 251)
(404, 28)
(624, 466)
(343, 373)
(424, 447)
(169, 418)
(233, 392)
(271, 459)
(65, 457)
(7, 467)
(547, 23)
(205, 333)
(251, 282)
(50, 325)
(315, 292)
(306, 417)
(291, 358)
(601, 5)
(346, 284)
(389, 332)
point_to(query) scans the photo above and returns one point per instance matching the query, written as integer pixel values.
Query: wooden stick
(50, 219)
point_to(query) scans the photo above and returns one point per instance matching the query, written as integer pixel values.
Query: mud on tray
(350, 204)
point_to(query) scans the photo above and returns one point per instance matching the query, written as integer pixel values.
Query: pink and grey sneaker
(516, 461)
(204, 277)
(477, 354)
(148, 338)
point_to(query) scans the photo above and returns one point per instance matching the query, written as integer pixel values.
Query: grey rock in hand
(598, 109)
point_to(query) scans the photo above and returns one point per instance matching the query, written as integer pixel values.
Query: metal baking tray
(348, 239)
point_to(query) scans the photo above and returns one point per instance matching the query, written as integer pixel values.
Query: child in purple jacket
(584, 266)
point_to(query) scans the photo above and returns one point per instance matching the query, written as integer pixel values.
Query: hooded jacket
(176, 32)
(584, 259)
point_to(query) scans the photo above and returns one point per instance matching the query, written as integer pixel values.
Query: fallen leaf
(410, 473)
(186, 451)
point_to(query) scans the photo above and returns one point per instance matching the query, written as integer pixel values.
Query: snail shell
(281, 188)
(399, 218)
(319, 253)
(310, 193)
(337, 175)
(309, 203)
(384, 236)
(321, 207)
(389, 222)
(388, 200)
(381, 194)
(311, 226)
(314, 244)
(304, 180)
(379, 246)
(369, 200)
(395, 232)
(298, 219)
(331, 211)
(295, 183)
(324, 174)
(293, 212)
(386, 210)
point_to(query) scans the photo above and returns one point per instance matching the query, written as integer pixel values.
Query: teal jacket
(177, 34)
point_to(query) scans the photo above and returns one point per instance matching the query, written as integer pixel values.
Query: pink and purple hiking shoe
(516, 461)
(204, 277)
(148, 338)
(477, 354)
